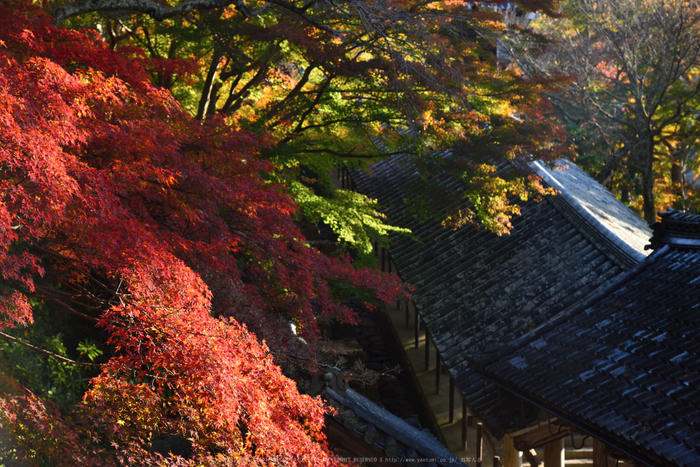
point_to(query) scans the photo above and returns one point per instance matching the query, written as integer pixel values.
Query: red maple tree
(121, 209)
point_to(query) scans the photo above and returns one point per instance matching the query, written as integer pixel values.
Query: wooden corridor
(437, 393)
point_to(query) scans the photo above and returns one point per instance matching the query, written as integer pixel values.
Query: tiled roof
(605, 219)
(624, 366)
(476, 291)
(397, 440)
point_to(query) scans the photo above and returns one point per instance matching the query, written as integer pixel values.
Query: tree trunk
(678, 178)
(207, 92)
(649, 204)
(625, 194)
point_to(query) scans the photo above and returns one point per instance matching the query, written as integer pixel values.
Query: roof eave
(635, 452)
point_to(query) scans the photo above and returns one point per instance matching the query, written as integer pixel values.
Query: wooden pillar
(554, 453)
(408, 312)
(511, 456)
(464, 423)
(383, 257)
(452, 399)
(438, 370)
(600, 454)
(427, 351)
(479, 443)
(416, 325)
(388, 259)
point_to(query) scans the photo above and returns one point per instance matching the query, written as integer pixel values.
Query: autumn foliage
(119, 208)
(632, 97)
(350, 83)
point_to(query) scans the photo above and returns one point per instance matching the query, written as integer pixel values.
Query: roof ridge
(423, 442)
(676, 228)
(588, 223)
(607, 365)
(567, 314)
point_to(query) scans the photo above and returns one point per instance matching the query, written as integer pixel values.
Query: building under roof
(476, 291)
(624, 366)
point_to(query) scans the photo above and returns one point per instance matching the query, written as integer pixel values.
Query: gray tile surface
(477, 291)
(626, 364)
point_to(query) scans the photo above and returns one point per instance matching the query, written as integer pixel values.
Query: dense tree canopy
(151, 172)
(634, 95)
(344, 83)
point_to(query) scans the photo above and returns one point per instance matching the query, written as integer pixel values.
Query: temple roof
(476, 291)
(624, 366)
(390, 439)
(594, 209)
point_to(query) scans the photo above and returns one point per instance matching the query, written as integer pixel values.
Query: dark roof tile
(640, 359)
(477, 291)
(690, 458)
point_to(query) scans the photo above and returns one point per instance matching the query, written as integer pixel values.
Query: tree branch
(350, 155)
(70, 309)
(50, 354)
(155, 10)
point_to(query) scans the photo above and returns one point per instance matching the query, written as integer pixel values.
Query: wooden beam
(540, 436)
(438, 370)
(464, 423)
(511, 456)
(408, 312)
(427, 351)
(479, 443)
(452, 399)
(554, 453)
(532, 458)
(416, 325)
(600, 454)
